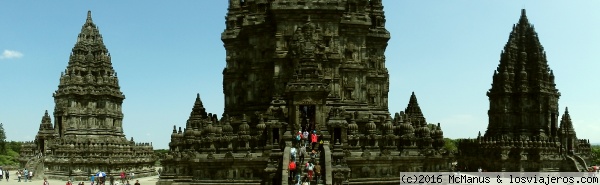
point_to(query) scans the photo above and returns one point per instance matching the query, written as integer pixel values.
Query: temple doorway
(41, 146)
(307, 117)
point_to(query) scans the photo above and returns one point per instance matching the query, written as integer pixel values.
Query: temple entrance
(307, 117)
(41, 146)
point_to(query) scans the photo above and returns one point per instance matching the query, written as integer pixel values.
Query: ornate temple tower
(568, 136)
(88, 132)
(297, 65)
(523, 132)
(45, 133)
(523, 97)
(88, 100)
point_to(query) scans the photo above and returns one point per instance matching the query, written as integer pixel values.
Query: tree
(595, 155)
(2, 140)
(14, 146)
(450, 145)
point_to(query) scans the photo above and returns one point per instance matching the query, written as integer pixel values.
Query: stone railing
(327, 167)
(580, 160)
(573, 162)
(285, 172)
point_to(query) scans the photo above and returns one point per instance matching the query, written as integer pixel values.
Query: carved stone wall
(264, 49)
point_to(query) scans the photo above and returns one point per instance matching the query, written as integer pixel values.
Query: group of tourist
(100, 178)
(4, 173)
(304, 138)
(302, 173)
(24, 174)
(137, 182)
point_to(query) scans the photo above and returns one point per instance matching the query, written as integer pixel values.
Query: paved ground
(143, 181)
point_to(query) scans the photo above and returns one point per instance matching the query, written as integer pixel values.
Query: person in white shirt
(301, 153)
(305, 137)
(310, 167)
(293, 153)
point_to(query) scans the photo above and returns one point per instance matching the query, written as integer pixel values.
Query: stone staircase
(577, 163)
(36, 165)
(581, 161)
(302, 168)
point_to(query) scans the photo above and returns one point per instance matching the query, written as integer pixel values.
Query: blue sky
(167, 51)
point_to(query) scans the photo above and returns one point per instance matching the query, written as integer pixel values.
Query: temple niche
(523, 133)
(304, 66)
(87, 135)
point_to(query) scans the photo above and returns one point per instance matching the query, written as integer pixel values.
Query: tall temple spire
(89, 81)
(87, 114)
(523, 81)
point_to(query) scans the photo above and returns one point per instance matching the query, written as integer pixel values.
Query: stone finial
(89, 17)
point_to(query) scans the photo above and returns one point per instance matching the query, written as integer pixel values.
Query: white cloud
(10, 54)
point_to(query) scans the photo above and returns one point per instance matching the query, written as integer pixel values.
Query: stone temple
(523, 133)
(299, 65)
(87, 135)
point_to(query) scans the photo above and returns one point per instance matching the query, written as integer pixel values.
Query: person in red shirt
(122, 177)
(292, 169)
(313, 139)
